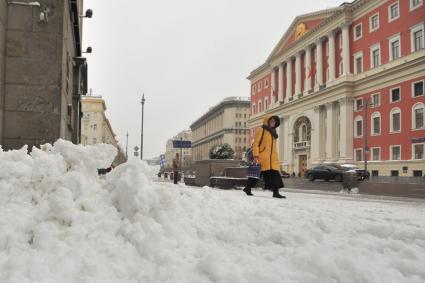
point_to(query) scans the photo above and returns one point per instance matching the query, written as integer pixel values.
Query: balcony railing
(302, 145)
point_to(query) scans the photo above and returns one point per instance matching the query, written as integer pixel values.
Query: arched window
(303, 132)
(376, 124)
(418, 116)
(395, 120)
(253, 108)
(358, 126)
(259, 106)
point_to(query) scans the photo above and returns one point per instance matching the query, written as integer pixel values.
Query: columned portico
(316, 135)
(330, 132)
(331, 57)
(319, 64)
(345, 49)
(280, 81)
(273, 93)
(346, 129)
(298, 81)
(308, 77)
(288, 79)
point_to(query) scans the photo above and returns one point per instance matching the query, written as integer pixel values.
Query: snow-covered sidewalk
(60, 223)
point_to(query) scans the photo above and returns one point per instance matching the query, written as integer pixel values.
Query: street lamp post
(141, 137)
(126, 148)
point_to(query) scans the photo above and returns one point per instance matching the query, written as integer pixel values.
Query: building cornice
(226, 103)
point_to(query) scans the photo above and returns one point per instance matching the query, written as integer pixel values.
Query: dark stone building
(42, 73)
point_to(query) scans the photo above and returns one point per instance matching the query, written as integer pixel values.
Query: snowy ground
(60, 223)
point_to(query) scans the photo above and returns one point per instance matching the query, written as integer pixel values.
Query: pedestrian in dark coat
(176, 162)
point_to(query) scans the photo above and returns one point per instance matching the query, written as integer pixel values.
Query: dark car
(284, 174)
(326, 172)
(362, 174)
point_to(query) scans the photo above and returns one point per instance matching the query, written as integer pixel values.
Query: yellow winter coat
(267, 150)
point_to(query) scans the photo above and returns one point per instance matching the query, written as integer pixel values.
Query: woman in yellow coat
(265, 153)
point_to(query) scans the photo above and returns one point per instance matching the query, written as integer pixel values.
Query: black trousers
(251, 183)
(176, 176)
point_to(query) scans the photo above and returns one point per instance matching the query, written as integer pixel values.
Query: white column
(298, 76)
(319, 63)
(285, 136)
(345, 49)
(273, 87)
(330, 132)
(346, 129)
(280, 82)
(281, 141)
(331, 58)
(307, 82)
(315, 136)
(288, 79)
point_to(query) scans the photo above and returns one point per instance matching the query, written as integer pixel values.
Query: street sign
(182, 144)
(162, 160)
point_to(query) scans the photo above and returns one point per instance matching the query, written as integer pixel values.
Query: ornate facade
(348, 84)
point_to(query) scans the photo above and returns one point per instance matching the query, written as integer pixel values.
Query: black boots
(248, 191)
(277, 195)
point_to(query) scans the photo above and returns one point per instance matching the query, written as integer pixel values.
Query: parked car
(361, 173)
(326, 172)
(284, 174)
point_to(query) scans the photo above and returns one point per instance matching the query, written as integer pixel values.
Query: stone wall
(34, 104)
(3, 23)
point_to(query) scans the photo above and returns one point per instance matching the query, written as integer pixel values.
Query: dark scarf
(271, 130)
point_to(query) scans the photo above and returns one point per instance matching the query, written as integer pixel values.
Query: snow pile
(60, 223)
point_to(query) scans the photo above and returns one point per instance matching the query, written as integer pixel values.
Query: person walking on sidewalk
(266, 155)
(176, 162)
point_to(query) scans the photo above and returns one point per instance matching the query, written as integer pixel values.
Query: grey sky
(184, 55)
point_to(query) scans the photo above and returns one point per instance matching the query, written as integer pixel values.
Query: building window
(358, 153)
(358, 62)
(260, 86)
(418, 151)
(376, 153)
(417, 37)
(376, 124)
(418, 89)
(266, 83)
(374, 22)
(395, 152)
(393, 11)
(414, 4)
(394, 47)
(359, 104)
(358, 127)
(358, 31)
(375, 56)
(375, 173)
(394, 173)
(417, 173)
(395, 94)
(395, 120)
(266, 103)
(259, 107)
(376, 100)
(253, 108)
(418, 116)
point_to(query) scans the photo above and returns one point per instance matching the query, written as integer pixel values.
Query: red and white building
(341, 76)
